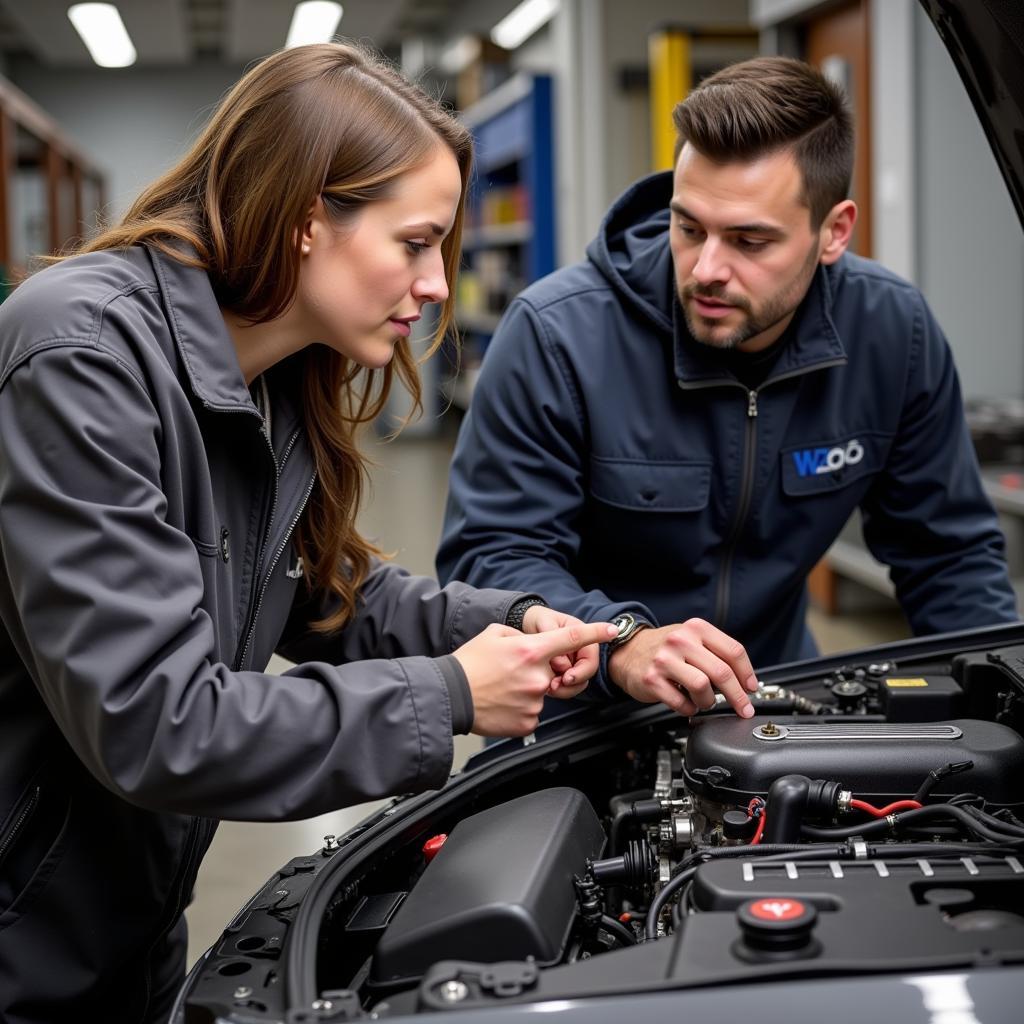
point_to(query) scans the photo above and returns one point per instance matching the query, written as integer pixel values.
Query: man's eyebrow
(745, 229)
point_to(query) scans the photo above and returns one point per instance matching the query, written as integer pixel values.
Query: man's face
(743, 247)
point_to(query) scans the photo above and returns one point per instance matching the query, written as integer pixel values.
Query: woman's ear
(313, 223)
(837, 230)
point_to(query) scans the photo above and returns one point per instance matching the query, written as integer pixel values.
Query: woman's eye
(416, 247)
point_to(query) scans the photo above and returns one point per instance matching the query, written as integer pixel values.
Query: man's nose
(712, 264)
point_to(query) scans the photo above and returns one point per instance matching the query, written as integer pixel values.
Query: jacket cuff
(601, 686)
(460, 697)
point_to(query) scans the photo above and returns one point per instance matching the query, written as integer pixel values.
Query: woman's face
(361, 286)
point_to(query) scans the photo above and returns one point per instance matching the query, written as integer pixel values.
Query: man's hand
(572, 671)
(682, 666)
(509, 672)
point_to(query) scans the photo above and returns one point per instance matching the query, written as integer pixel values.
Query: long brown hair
(758, 106)
(330, 120)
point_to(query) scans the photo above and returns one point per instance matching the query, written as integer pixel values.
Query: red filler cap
(433, 845)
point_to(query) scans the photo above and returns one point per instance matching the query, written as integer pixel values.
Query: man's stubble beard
(776, 309)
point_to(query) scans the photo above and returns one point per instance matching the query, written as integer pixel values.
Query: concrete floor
(403, 515)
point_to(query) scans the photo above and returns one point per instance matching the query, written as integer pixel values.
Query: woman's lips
(401, 327)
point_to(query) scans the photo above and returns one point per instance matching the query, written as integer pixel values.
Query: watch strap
(517, 612)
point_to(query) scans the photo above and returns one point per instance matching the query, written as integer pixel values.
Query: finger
(729, 650)
(708, 673)
(566, 691)
(561, 663)
(588, 661)
(571, 638)
(547, 619)
(671, 695)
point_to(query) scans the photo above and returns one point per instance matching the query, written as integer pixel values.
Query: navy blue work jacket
(611, 463)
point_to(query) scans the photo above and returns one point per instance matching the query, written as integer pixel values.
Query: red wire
(881, 812)
(760, 829)
(756, 804)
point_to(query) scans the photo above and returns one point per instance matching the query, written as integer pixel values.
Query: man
(677, 428)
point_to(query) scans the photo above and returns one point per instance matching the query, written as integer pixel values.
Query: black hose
(659, 901)
(997, 824)
(937, 774)
(881, 826)
(618, 929)
(615, 829)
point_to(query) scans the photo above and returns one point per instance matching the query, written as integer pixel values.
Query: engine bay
(868, 819)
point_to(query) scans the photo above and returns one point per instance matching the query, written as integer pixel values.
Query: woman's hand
(510, 672)
(572, 671)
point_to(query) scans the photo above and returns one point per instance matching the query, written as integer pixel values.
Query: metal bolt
(243, 992)
(322, 1004)
(281, 892)
(330, 843)
(453, 991)
(769, 729)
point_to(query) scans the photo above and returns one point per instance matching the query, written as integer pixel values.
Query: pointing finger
(571, 638)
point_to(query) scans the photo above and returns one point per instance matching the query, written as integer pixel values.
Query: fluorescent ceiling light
(460, 53)
(517, 26)
(103, 33)
(314, 21)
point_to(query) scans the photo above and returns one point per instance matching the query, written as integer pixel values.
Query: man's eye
(751, 244)
(688, 231)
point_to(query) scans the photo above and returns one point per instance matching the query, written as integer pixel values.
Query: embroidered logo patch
(814, 461)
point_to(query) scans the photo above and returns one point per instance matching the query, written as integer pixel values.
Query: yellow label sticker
(906, 682)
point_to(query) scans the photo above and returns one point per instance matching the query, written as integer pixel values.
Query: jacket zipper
(250, 616)
(273, 566)
(749, 466)
(257, 602)
(28, 806)
(746, 491)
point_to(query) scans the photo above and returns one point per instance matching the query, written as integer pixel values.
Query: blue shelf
(513, 131)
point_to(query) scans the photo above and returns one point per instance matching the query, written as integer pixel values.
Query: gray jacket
(146, 532)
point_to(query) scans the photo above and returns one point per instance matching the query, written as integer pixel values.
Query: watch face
(623, 622)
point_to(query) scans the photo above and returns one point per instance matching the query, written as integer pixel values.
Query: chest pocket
(823, 466)
(638, 485)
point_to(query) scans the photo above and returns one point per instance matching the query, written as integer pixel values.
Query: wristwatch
(628, 625)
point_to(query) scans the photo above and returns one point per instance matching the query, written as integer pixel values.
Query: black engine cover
(501, 888)
(730, 760)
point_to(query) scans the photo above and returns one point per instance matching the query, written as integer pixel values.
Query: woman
(178, 490)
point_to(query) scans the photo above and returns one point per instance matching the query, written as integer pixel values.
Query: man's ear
(837, 230)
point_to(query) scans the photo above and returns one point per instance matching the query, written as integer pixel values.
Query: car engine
(866, 820)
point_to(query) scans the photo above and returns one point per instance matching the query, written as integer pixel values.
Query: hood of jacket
(632, 253)
(631, 248)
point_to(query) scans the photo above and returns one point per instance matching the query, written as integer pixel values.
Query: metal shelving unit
(50, 194)
(510, 236)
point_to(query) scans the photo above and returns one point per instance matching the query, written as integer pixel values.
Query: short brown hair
(333, 121)
(759, 106)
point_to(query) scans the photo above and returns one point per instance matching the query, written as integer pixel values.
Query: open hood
(985, 38)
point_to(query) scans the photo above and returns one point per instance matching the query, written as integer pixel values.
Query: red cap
(777, 909)
(433, 845)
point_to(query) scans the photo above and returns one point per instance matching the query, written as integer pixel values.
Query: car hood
(986, 41)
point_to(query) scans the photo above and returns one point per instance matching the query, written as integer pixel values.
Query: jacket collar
(200, 334)
(814, 341)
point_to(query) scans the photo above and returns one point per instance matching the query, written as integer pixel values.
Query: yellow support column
(671, 77)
